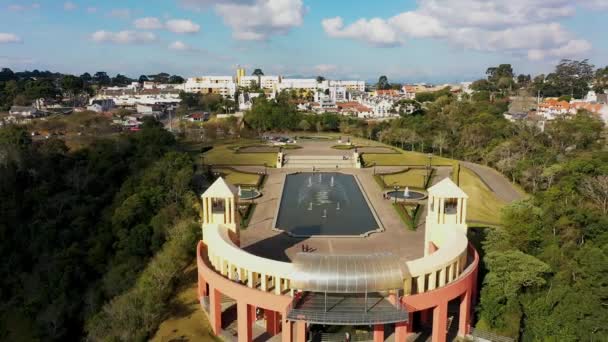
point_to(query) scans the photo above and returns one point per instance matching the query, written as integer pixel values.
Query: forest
(84, 232)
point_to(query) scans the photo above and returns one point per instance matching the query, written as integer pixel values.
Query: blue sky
(424, 40)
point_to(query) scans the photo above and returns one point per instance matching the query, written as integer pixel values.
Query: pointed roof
(220, 188)
(447, 189)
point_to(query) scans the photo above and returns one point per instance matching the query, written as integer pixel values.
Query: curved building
(383, 290)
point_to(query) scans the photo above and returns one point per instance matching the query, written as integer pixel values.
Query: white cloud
(92, 10)
(260, 19)
(182, 26)
(179, 46)
(123, 13)
(520, 27)
(6, 38)
(69, 6)
(375, 31)
(149, 23)
(123, 37)
(199, 5)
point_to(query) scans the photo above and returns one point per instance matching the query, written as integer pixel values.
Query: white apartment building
(222, 85)
(269, 82)
(298, 83)
(349, 85)
(248, 81)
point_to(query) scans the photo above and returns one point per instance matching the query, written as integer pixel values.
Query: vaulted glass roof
(347, 273)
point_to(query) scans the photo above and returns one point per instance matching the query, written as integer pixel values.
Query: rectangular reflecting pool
(324, 204)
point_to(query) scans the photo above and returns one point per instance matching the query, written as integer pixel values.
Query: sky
(409, 41)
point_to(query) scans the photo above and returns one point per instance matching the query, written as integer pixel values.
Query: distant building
(101, 105)
(198, 116)
(221, 85)
(25, 112)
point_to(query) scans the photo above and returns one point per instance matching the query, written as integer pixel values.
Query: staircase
(319, 162)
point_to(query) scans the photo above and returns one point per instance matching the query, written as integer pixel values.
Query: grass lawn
(483, 204)
(186, 321)
(225, 155)
(413, 178)
(239, 178)
(405, 158)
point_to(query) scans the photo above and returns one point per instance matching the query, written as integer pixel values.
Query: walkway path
(501, 186)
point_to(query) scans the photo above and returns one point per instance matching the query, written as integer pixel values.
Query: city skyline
(424, 41)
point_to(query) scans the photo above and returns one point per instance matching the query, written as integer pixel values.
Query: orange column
(465, 314)
(286, 328)
(300, 331)
(215, 310)
(245, 332)
(379, 333)
(440, 322)
(273, 322)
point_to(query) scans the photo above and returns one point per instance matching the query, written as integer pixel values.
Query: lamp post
(396, 188)
(428, 169)
(265, 166)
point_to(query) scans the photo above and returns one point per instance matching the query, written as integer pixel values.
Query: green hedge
(246, 215)
(411, 221)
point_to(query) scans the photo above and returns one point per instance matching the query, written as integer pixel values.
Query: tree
(175, 79)
(257, 72)
(72, 84)
(143, 78)
(7, 74)
(596, 189)
(120, 80)
(496, 73)
(600, 81)
(572, 78)
(383, 83)
(304, 125)
(440, 141)
(320, 79)
(86, 77)
(101, 78)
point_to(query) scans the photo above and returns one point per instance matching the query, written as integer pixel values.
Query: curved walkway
(499, 184)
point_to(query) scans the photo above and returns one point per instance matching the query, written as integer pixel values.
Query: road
(501, 186)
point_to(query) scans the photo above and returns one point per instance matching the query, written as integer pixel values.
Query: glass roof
(347, 273)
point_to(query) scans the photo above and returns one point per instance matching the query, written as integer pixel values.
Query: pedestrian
(347, 336)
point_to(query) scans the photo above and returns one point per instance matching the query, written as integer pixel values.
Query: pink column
(379, 333)
(273, 322)
(300, 331)
(465, 314)
(286, 331)
(202, 287)
(215, 310)
(245, 328)
(425, 317)
(400, 332)
(440, 322)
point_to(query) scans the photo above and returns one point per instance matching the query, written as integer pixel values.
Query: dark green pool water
(316, 204)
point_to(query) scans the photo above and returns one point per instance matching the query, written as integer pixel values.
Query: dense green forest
(78, 228)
